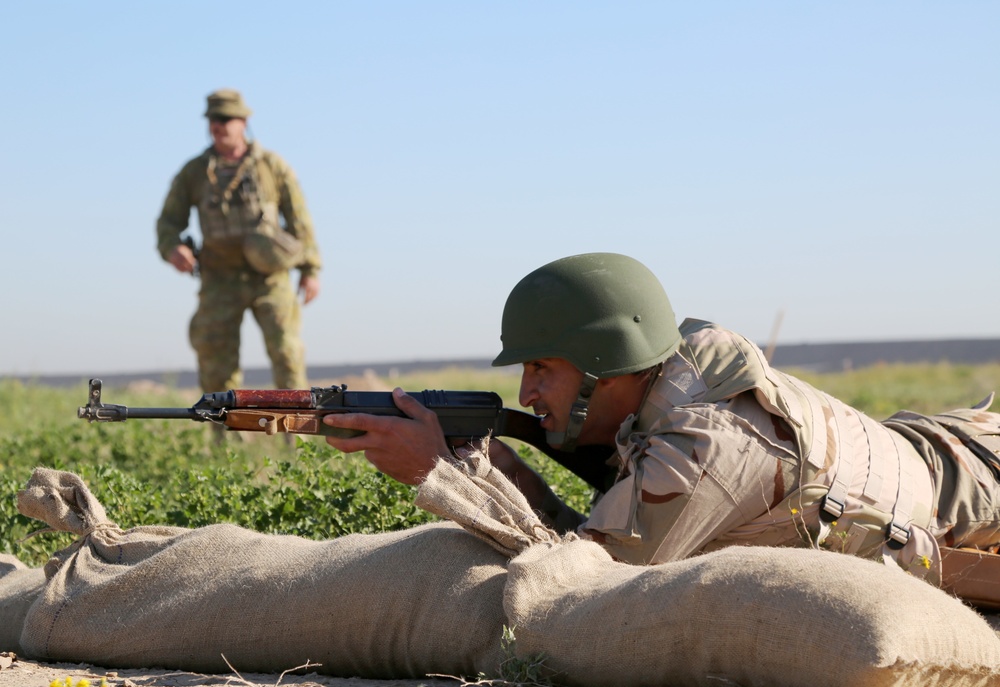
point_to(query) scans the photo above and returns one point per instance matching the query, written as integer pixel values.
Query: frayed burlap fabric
(748, 616)
(19, 587)
(478, 497)
(394, 605)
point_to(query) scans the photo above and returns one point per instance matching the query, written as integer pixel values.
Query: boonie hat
(227, 103)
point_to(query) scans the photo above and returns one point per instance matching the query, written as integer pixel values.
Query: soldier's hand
(404, 448)
(182, 258)
(308, 287)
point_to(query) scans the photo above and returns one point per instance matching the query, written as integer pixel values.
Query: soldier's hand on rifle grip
(182, 258)
(404, 448)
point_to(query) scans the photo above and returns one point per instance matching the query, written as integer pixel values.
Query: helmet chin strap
(566, 441)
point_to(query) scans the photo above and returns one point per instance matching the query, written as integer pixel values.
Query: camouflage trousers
(215, 328)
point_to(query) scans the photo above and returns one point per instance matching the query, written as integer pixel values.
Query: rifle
(462, 414)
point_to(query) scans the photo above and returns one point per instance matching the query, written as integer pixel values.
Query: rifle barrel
(163, 414)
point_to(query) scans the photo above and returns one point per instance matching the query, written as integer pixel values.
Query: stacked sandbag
(19, 587)
(428, 601)
(748, 616)
(754, 616)
(394, 605)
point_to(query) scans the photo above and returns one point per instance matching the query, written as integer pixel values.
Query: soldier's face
(227, 133)
(550, 387)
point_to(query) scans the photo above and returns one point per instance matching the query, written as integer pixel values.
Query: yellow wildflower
(795, 511)
(82, 682)
(926, 562)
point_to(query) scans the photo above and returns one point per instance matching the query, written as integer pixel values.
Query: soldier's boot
(218, 434)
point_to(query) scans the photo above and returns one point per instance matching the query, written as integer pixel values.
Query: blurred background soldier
(255, 227)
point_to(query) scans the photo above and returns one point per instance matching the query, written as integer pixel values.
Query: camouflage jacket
(727, 450)
(264, 186)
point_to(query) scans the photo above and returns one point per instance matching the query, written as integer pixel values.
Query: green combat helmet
(227, 103)
(606, 313)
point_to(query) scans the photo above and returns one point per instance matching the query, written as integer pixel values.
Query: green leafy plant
(174, 473)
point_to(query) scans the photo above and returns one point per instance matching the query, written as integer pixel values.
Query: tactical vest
(229, 212)
(849, 461)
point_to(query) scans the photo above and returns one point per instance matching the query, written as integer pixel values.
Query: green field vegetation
(171, 472)
(881, 390)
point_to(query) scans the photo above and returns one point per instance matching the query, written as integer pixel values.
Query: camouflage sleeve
(687, 488)
(640, 511)
(292, 205)
(176, 213)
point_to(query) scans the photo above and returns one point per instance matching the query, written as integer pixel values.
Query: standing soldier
(255, 228)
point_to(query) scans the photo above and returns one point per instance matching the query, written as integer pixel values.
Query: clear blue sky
(835, 162)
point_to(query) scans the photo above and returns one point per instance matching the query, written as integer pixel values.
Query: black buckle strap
(832, 509)
(896, 537)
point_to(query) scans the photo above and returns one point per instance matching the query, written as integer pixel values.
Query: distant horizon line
(818, 357)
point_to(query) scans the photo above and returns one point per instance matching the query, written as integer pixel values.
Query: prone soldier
(712, 447)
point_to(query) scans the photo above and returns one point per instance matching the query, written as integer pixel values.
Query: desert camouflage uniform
(726, 450)
(231, 203)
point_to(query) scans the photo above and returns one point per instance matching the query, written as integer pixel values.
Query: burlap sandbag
(755, 616)
(19, 587)
(426, 600)
(768, 617)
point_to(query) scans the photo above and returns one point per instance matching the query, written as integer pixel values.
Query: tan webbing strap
(898, 531)
(836, 499)
(816, 454)
(913, 485)
(213, 178)
(884, 460)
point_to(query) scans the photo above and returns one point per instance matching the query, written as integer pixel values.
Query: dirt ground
(19, 672)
